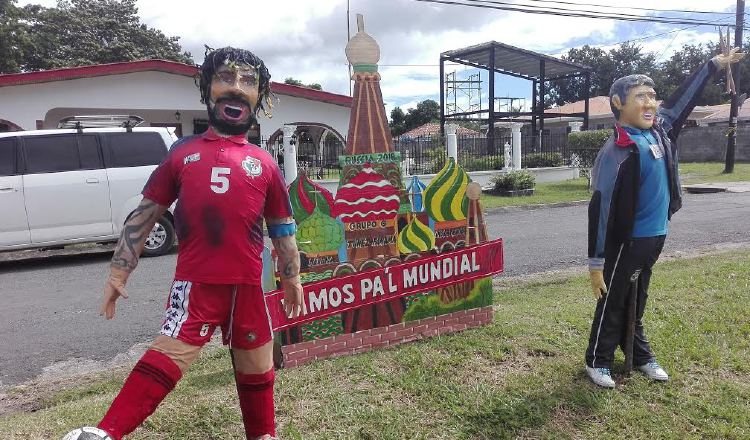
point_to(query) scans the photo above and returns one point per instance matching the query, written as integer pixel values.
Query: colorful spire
(368, 124)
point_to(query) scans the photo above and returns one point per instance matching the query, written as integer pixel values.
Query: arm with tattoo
(127, 252)
(134, 234)
(289, 266)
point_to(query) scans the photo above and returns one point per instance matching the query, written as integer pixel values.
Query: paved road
(49, 306)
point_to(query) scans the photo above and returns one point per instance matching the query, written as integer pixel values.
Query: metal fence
(427, 154)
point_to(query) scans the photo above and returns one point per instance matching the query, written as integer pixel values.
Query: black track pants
(608, 327)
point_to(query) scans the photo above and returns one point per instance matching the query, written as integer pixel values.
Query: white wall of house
(154, 96)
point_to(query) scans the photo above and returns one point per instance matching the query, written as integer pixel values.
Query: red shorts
(194, 310)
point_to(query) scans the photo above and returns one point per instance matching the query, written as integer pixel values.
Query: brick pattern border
(366, 340)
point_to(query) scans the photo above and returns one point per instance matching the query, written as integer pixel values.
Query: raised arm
(128, 251)
(675, 109)
(281, 231)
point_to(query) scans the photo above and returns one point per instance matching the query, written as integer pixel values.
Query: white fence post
(451, 141)
(507, 164)
(290, 154)
(575, 126)
(515, 128)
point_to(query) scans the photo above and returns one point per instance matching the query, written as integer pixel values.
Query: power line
(716, 23)
(493, 4)
(627, 7)
(548, 11)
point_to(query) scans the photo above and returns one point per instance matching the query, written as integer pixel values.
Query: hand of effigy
(598, 287)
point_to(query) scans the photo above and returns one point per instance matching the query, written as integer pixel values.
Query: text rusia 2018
(337, 295)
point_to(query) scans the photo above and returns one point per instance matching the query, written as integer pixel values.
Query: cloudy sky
(305, 39)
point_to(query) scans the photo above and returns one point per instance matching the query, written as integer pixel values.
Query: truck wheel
(161, 238)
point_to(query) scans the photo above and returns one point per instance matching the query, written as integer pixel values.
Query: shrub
(513, 181)
(586, 144)
(592, 139)
(472, 163)
(541, 160)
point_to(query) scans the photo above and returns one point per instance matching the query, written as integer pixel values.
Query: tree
(426, 111)
(606, 67)
(298, 83)
(397, 121)
(82, 32)
(629, 59)
(13, 37)
(684, 62)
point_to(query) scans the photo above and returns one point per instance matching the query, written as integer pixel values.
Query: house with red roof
(161, 92)
(433, 129)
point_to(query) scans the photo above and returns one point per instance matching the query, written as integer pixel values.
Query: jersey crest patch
(252, 166)
(192, 158)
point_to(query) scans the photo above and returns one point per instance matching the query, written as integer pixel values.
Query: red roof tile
(14, 79)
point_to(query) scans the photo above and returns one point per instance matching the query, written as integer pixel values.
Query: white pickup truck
(67, 186)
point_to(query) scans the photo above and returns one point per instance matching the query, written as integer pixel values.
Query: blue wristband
(282, 230)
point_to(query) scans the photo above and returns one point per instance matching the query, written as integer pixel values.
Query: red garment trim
(622, 138)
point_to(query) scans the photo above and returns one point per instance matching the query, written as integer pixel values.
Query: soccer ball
(87, 433)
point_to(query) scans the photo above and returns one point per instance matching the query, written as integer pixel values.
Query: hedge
(542, 160)
(592, 139)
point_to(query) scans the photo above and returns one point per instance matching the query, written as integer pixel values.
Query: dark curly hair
(214, 58)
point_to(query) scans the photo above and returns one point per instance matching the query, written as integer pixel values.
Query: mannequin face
(639, 109)
(233, 98)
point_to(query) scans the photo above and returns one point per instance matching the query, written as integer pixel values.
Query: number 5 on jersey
(219, 179)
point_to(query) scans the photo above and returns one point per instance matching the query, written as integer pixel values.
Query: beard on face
(222, 125)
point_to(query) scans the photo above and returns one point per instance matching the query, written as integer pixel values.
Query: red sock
(256, 402)
(152, 378)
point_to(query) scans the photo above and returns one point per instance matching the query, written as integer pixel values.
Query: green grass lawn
(544, 193)
(520, 377)
(713, 172)
(575, 190)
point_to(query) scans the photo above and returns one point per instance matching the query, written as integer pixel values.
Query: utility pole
(348, 37)
(733, 110)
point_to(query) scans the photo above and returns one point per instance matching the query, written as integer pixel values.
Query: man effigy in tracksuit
(636, 189)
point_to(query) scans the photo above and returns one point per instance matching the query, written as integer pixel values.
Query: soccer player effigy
(636, 190)
(225, 189)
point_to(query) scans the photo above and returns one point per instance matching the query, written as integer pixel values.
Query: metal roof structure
(514, 61)
(520, 63)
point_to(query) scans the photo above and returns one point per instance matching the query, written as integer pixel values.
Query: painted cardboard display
(380, 253)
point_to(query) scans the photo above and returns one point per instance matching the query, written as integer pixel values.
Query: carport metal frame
(520, 63)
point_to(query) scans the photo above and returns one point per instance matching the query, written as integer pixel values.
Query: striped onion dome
(305, 195)
(445, 197)
(319, 232)
(367, 196)
(415, 237)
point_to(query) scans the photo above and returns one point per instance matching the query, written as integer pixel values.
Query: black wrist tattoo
(133, 236)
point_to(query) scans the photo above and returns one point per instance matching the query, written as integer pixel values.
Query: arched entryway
(318, 148)
(9, 126)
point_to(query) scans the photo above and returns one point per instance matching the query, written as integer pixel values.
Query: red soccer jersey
(224, 187)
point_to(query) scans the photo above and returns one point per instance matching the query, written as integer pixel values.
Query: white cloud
(306, 39)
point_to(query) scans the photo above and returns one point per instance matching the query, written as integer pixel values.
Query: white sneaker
(600, 376)
(653, 371)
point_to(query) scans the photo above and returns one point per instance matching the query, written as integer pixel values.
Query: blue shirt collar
(633, 130)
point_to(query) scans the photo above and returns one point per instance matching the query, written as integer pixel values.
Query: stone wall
(709, 144)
